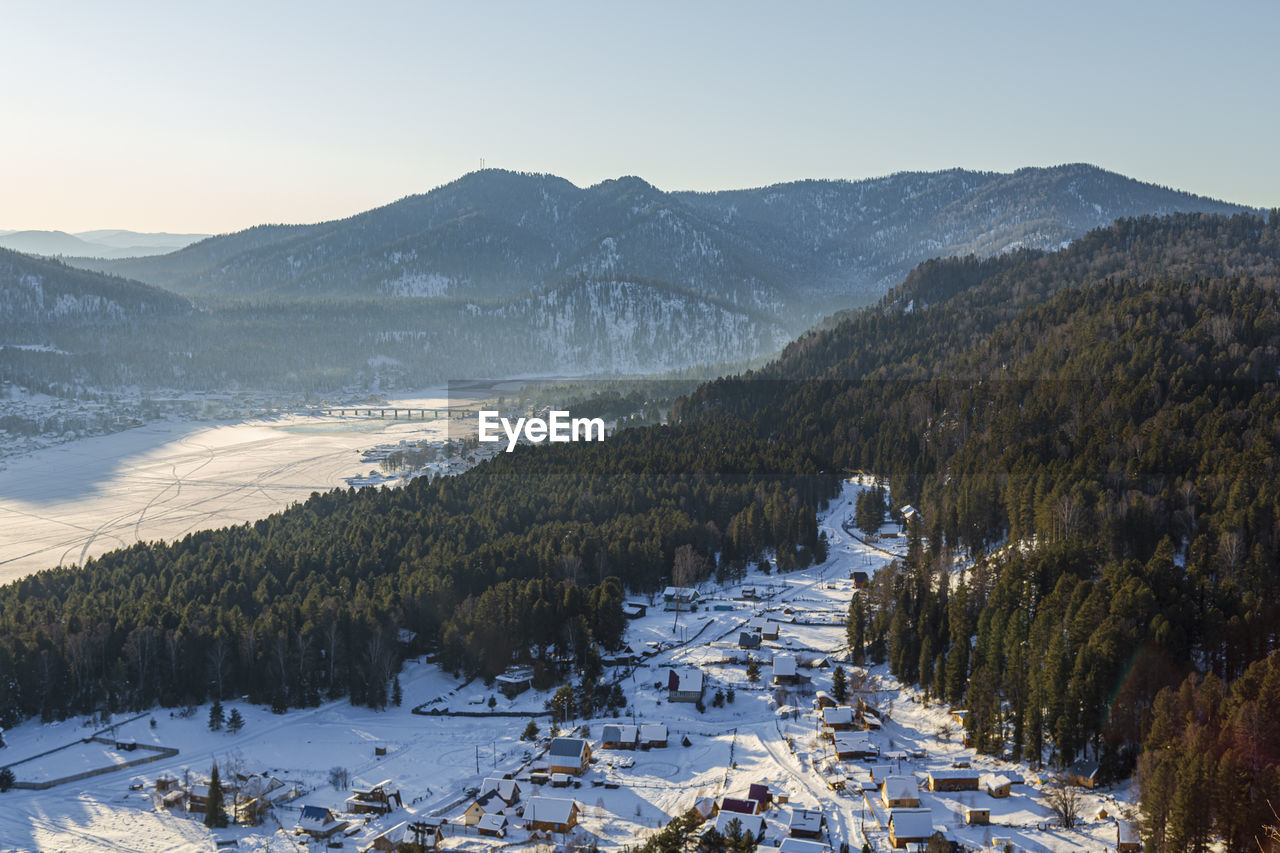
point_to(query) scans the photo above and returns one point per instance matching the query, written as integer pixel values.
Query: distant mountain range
(502, 273)
(105, 243)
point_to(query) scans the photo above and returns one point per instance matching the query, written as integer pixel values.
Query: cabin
(319, 822)
(748, 640)
(953, 780)
(908, 513)
(861, 580)
(822, 699)
(679, 598)
(784, 670)
(900, 792)
(1127, 838)
(377, 800)
(974, 816)
(198, 799)
(493, 826)
(880, 772)
(550, 814)
(760, 793)
(561, 780)
(568, 755)
(508, 790)
(653, 735)
(632, 610)
(515, 680)
(769, 631)
(750, 592)
(705, 807)
(685, 685)
(837, 719)
(166, 783)
(869, 721)
(741, 805)
(397, 836)
(854, 746)
(488, 803)
(805, 823)
(1083, 774)
(619, 736)
(624, 656)
(910, 826)
(751, 824)
(997, 785)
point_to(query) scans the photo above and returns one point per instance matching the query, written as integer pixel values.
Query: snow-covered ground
(766, 734)
(63, 504)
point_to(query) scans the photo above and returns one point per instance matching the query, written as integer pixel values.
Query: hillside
(37, 291)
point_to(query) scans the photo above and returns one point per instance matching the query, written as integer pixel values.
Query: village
(741, 715)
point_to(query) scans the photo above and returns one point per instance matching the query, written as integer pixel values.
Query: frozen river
(64, 504)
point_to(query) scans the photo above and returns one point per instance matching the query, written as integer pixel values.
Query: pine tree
(215, 815)
(397, 694)
(839, 685)
(530, 731)
(216, 718)
(235, 722)
(753, 671)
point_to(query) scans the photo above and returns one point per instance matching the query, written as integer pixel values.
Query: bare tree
(1065, 801)
(218, 655)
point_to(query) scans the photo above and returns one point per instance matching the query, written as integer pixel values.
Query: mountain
(799, 249)
(35, 291)
(110, 243)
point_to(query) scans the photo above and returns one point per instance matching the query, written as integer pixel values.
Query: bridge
(394, 412)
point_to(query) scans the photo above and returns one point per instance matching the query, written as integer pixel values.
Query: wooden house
(198, 799)
(953, 780)
(822, 699)
(760, 793)
(550, 814)
(997, 785)
(1084, 773)
(861, 580)
(740, 805)
(508, 790)
(633, 610)
(900, 792)
(1127, 838)
(854, 746)
(619, 736)
(486, 804)
(392, 840)
(679, 598)
(653, 735)
(319, 822)
(685, 685)
(568, 755)
(748, 640)
(910, 826)
(837, 719)
(805, 823)
(769, 631)
(974, 816)
(377, 800)
(493, 825)
(784, 669)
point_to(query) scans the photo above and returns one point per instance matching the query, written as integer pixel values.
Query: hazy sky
(217, 116)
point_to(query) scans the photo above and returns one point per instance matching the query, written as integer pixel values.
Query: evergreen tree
(839, 685)
(753, 671)
(397, 694)
(6, 779)
(215, 815)
(530, 731)
(216, 718)
(235, 722)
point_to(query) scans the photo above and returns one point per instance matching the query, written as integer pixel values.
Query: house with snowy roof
(748, 824)
(550, 814)
(319, 822)
(910, 826)
(679, 598)
(508, 790)
(900, 792)
(805, 823)
(568, 755)
(784, 669)
(619, 736)
(685, 685)
(653, 735)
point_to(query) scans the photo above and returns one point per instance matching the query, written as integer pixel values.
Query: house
(624, 656)
(568, 755)
(800, 845)
(493, 825)
(679, 598)
(955, 779)
(198, 798)
(958, 716)
(705, 807)
(900, 792)
(908, 513)
(508, 790)
(861, 580)
(515, 680)
(748, 640)
(910, 826)
(837, 719)
(974, 816)
(319, 822)
(740, 805)
(378, 800)
(854, 746)
(751, 824)
(784, 669)
(750, 592)
(997, 785)
(653, 735)
(488, 803)
(879, 772)
(166, 783)
(685, 685)
(561, 780)
(632, 610)
(1127, 838)
(550, 814)
(769, 631)
(619, 736)
(805, 823)
(391, 840)
(870, 721)
(1084, 773)
(760, 793)
(822, 699)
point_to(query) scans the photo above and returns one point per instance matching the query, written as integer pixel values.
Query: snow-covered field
(766, 735)
(63, 504)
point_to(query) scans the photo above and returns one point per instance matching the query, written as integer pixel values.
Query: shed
(974, 816)
(860, 579)
(493, 825)
(997, 785)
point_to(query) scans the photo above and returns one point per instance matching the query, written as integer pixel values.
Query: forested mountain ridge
(501, 234)
(41, 291)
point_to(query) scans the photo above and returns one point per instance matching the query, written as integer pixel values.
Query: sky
(214, 117)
